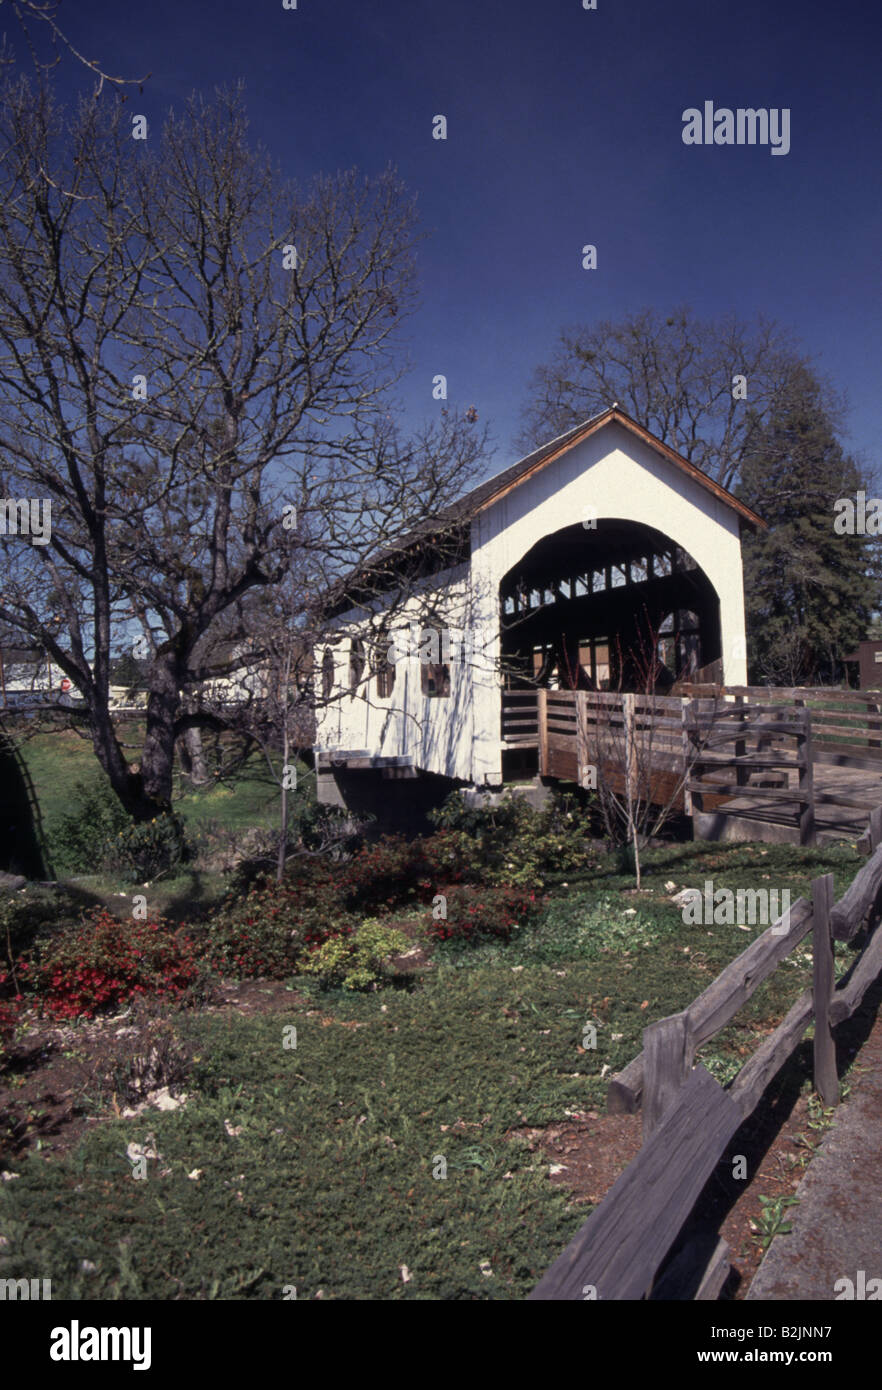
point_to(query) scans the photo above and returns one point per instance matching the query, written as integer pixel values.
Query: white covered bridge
(582, 566)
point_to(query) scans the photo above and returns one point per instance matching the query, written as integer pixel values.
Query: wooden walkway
(852, 795)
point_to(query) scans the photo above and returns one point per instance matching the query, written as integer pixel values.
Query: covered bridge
(602, 560)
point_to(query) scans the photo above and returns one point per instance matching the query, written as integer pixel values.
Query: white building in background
(565, 567)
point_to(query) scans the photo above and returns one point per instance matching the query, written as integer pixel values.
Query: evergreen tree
(810, 593)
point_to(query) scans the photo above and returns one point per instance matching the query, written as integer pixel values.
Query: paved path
(837, 1227)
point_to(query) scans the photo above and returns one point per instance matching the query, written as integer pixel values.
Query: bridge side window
(435, 679)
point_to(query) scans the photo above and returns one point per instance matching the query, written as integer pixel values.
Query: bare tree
(695, 384)
(44, 40)
(195, 361)
(643, 763)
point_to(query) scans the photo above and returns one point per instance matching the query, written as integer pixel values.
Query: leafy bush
(145, 849)
(325, 834)
(392, 872)
(96, 817)
(98, 834)
(453, 856)
(103, 962)
(474, 914)
(358, 960)
(516, 844)
(268, 931)
(455, 813)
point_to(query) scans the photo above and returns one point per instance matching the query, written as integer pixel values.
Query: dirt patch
(256, 997)
(60, 1078)
(587, 1153)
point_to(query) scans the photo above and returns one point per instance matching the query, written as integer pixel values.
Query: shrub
(79, 840)
(268, 931)
(98, 834)
(145, 849)
(453, 856)
(358, 960)
(323, 834)
(392, 872)
(104, 962)
(474, 914)
(516, 844)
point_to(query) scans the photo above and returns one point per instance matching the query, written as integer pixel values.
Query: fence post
(542, 729)
(694, 731)
(806, 780)
(875, 830)
(666, 1063)
(873, 724)
(628, 721)
(687, 757)
(742, 772)
(826, 1076)
(583, 751)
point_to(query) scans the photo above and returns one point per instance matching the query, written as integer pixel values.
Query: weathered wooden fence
(736, 751)
(689, 1119)
(742, 746)
(576, 731)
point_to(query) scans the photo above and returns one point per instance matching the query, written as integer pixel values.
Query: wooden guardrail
(689, 1119)
(738, 746)
(707, 748)
(575, 731)
(520, 717)
(846, 724)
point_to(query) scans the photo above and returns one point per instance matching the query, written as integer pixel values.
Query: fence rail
(689, 1119)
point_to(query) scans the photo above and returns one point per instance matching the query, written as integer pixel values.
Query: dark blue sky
(564, 127)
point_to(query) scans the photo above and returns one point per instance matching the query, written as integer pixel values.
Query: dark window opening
(356, 665)
(327, 674)
(435, 678)
(384, 668)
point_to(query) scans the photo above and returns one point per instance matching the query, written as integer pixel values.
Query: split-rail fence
(689, 1119)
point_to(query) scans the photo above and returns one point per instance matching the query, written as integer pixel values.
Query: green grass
(183, 897)
(58, 761)
(335, 1158)
(61, 763)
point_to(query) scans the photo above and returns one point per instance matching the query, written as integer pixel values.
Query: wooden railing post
(823, 982)
(667, 1061)
(806, 781)
(628, 721)
(742, 771)
(542, 729)
(874, 724)
(687, 756)
(583, 752)
(696, 740)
